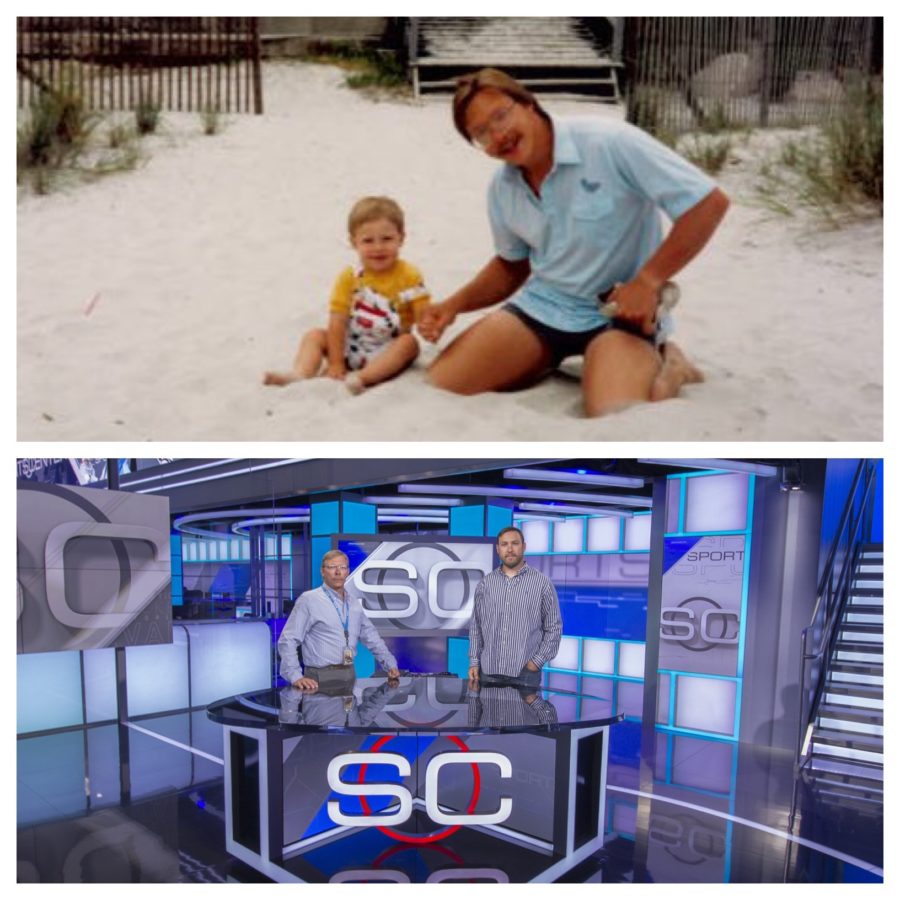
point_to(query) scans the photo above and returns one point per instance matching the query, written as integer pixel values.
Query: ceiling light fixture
(577, 510)
(411, 511)
(413, 501)
(184, 523)
(244, 525)
(722, 465)
(440, 520)
(579, 477)
(250, 470)
(523, 493)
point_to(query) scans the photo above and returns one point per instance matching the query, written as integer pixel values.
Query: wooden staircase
(548, 55)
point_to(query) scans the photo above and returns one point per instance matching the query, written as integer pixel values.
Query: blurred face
(505, 129)
(510, 549)
(335, 572)
(378, 244)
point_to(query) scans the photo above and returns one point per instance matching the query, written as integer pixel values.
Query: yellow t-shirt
(402, 287)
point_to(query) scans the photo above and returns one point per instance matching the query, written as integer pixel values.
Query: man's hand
(637, 301)
(434, 320)
(532, 667)
(473, 676)
(393, 674)
(306, 684)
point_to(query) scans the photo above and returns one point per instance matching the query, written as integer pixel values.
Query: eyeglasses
(337, 568)
(497, 121)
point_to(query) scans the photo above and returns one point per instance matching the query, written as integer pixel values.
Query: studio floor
(145, 803)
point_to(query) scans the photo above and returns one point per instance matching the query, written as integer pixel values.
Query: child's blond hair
(368, 209)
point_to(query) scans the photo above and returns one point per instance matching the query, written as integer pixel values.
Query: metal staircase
(548, 55)
(846, 745)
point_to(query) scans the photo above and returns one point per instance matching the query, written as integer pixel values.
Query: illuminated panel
(467, 521)
(637, 533)
(705, 704)
(158, 676)
(559, 681)
(630, 699)
(599, 656)
(100, 685)
(603, 533)
(673, 504)
(48, 691)
(566, 706)
(360, 518)
(537, 536)
(662, 699)
(631, 660)
(716, 503)
(597, 697)
(568, 536)
(325, 517)
(230, 658)
(498, 517)
(567, 658)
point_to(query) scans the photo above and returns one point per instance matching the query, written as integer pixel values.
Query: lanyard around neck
(345, 618)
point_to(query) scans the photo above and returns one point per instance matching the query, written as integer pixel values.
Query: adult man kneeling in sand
(575, 215)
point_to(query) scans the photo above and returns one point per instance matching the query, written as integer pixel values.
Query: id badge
(348, 656)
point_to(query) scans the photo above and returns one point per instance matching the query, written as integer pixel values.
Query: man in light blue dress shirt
(328, 623)
(575, 213)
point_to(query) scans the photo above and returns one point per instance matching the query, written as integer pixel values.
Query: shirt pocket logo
(592, 206)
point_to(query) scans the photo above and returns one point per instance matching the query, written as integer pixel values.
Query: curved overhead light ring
(184, 523)
(243, 526)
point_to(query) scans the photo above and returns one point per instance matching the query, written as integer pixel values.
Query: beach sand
(151, 302)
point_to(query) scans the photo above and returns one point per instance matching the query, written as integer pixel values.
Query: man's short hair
(333, 554)
(518, 531)
(467, 86)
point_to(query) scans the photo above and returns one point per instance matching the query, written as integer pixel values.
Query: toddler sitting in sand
(372, 309)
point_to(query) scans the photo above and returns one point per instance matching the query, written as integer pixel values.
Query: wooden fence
(687, 73)
(178, 64)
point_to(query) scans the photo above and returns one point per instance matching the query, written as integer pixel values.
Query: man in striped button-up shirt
(516, 625)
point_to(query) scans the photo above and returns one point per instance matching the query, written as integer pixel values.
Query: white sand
(150, 303)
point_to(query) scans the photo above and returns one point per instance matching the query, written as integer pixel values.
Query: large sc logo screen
(420, 585)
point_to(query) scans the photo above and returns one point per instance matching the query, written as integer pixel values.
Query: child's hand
(433, 320)
(336, 370)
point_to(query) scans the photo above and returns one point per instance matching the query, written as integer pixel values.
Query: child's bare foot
(280, 378)
(354, 383)
(676, 370)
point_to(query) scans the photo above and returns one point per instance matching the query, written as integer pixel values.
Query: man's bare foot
(280, 378)
(676, 371)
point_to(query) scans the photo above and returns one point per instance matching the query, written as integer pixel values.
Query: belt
(335, 666)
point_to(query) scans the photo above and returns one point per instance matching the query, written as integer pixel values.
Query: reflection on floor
(703, 812)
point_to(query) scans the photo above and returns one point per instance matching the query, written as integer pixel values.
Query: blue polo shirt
(597, 220)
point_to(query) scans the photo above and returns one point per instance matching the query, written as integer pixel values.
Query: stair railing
(831, 598)
(412, 52)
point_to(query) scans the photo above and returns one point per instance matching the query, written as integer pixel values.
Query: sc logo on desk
(404, 797)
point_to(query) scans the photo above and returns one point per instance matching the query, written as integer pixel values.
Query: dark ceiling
(194, 485)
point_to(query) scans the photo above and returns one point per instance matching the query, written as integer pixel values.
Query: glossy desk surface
(415, 703)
